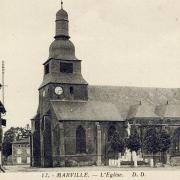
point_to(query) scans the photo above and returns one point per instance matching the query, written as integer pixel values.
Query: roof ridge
(118, 86)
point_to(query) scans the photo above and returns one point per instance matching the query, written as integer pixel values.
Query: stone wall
(70, 142)
(90, 157)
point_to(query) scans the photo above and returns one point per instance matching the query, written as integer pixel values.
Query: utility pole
(3, 73)
(2, 111)
(2, 123)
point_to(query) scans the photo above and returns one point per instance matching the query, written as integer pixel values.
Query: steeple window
(71, 90)
(46, 69)
(66, 67)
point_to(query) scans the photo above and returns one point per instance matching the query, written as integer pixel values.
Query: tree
(164, 144)
(0, 137)
(11, 135)
(157, 141)
(133, 142)
(117, 143)
(151, 142)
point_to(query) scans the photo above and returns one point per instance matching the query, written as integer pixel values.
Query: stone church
(75, 120)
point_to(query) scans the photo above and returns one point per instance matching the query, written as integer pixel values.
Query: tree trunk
(132, 159)
(154, 160)
(161, 158)
(164, 158)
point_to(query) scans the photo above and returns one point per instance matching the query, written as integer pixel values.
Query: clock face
(58, 90)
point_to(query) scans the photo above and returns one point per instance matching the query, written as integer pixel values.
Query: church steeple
(62, 47)
(62, 71)
(62, 23)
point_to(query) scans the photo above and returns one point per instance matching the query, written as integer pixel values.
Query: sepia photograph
(90, 89)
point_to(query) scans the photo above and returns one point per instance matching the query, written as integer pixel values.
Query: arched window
(111, 132)
(80, 140)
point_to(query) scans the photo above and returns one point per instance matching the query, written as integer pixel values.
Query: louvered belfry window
(66, 67)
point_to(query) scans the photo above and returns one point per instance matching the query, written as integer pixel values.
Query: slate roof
(125, 97)
(62, 49)
(66, 78)
(168, 110)
(141, 110)
(113, 103)
(86, 110)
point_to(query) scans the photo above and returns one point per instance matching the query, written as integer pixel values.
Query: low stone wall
(80, 160)
(175, 161)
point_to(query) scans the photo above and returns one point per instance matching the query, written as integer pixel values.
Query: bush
(130, 163)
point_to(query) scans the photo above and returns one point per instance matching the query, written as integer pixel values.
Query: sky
(121, 43)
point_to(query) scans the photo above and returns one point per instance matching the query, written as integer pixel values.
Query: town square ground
(26, 168)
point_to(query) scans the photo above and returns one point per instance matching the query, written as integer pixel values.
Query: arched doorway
(80, 140)
(176, 142)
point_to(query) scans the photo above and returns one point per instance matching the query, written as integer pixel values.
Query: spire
(61, 4)
(62, 23)
(62, 47)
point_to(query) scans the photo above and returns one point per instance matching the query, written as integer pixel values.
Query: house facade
(21, 152)
(75, 121)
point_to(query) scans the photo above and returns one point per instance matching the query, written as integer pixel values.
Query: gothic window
(66, 67)
(177, 141)
(111, 132)
(46, 69)
(80, 140)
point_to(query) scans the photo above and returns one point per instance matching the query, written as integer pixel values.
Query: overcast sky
(121, 42)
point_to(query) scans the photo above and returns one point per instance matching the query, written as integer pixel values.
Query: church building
(75, 120)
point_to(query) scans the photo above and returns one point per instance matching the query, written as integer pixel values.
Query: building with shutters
(21, 152)
(75, 120)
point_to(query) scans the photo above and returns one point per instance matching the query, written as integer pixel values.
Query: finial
(61, 4)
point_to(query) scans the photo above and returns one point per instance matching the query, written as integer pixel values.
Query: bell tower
(62, 71)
